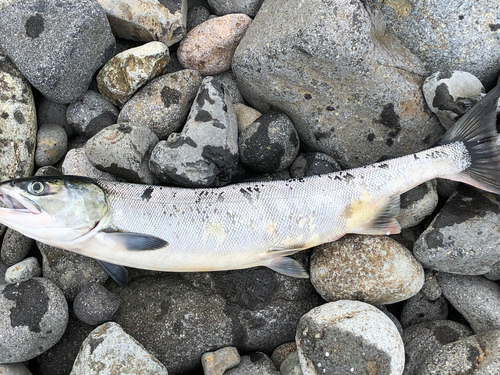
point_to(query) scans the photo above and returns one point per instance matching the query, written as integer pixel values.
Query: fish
(247, 224)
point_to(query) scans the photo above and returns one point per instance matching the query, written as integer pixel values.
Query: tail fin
(477, 130)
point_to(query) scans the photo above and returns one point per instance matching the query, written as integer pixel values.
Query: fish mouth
(19, 203)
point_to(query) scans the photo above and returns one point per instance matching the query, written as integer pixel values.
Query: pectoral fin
(117, 273)
(384, 222)
(131, 241)
(287, 266)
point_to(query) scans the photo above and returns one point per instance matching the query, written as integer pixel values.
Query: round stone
(51, 144)
(95, 305)
(22, 271)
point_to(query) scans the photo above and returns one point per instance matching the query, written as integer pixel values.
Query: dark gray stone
(196, 15)
(222, 7)
(254, 363)
(419, 309)
(49, 112)
(417, 203)
(312, 164)
(228, 79)
(15, 247)
(51, 144)
(95, 305)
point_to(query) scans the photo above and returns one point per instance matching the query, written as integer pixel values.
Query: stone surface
(381, 272)
(51, 144)
(61, 67)
(417, 203)
(197, 14)
(249, 7)
(209, 47)
(282, 352)
(312, 164)
(14, 369)
(129, 70)
(254, 363)
(351, 89)
(419, 309)
(228, 79)
(94, 304)
(33, 317)
(216, 363)
(291, 365)
(22, 271)
(245, 115)
(15, 247)
(49, 112)
(76, 163)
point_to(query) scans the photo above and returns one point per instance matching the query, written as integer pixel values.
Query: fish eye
(36, 188)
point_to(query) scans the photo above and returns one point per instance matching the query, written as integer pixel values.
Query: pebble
(382, 272)
(123, 150)
(245, 115)
(57, 46)
(163, 104)
(419, 309)
(76, 163)
(210, 46)
(51, 144)
(254, 363)
(90, 114)
(269, 144)
(312, 164)
(22, 271)
(282, 352)
(291, 365)
(197, 14)
(49, 112)
(417, 203)
(95, 305)
(205, 153)
(14, 369)
(110, 350)
(48, 170)
(15, 247)
(248, 7)
(216, 363)
(349, 337)
(147, 20)
(33, 317)
(129, 70)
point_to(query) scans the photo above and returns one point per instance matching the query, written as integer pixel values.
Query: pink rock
(210, 46)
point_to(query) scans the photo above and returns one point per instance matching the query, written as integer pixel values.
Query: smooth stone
(312, 164)
(494, 273)
(129, 70)
(196, 15)
(216, 363)
(123, 150)
(91, 113)
(210, 46)
(110, 350)
(248, 7)
(14, 369)
(61, 67)
(254, 363)
(348, 337)
(49, 112)
(51, 144)
(382, 272)
(245, 115)
(163, 104)
(76, 163)
(48, 170)
(419, 309)
(431, 288)
(15, 247)
(147, 20)
(417, 203)
(291, 365)
(22, 271)
(282, 352)
(33, 317)
(95, 305)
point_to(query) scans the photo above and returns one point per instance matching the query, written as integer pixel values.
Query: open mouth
(18, 205)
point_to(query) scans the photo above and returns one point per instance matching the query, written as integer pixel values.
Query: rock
(94, 304)
(245, 115)
(216, 363)
(209, 47)
(61, 67)
(51, 144)
(48, 170)
(463, 238)
(450, 95)
(14, 369)
(123, 150)
(494, 273)
(109, 349)
(461, 45)
(422, 340)
(282, 352)
(351, 89)
(248, 7)
(18, 117)
(349, 337)
(49, 112)
(228, 80)
(312, 164)
(269, 144)
(419, 309)
(129, 70)
(163, 104)
(206, 152)
(391, 316)
(254, 363)
(33, 317)
(418, 203)
(475, 297)
(374, 269)
(91, 113)
(291, 365)
(76, 163)
(15, 247)
(22, 271)
(196, 15)
(147, 20)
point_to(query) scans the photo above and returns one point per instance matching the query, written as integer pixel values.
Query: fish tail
(477, 131)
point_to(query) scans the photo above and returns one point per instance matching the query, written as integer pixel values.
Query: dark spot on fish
(146, 195)
(494, 26)
(245, 192)
(5, 115)
(330, 108)
(94, 343)
(415, 157)
(170, 96)
(204, 96)
(370, 137)
(179, 141)
(461, 17)
(383, 166)
(19, 117)
(203, 116)
(124, 128)
(348, 176)
(389, 142)
(338, 178)
(414, 195)
(34, 26)
(307, 96)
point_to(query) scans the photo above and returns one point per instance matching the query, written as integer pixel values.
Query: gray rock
(222, 7)
(123, 150)
(215, 363)
(48, 170)
(110, 350)
(51, 144)
(393, 318)
(291, 365)
(350, 88)
(245, 115)
(196, 15)
(60, 67)
(14, 369)
(269, 144)
(254, 363)
(49, 112)
(76, 163)
(463, 238)
(349, 337)
(494, 273)
(446, 188)
(91, 113)
(33, 317)
(475, 297)
(431, 288)
(15, 247)
(228, 79)
(417, 204)
(206, 152)
(422, 340)
(163, 104)
(22, 271)
(94, 304)
(282, 352)
(312, 164)
(419, 309)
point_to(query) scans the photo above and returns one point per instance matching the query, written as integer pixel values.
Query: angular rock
(210, 46)
(15, 247)
(228, 79)
(206, 152)
(197, 14)
(245, 115)
(109, 349)
(61, 67)
(312, 164)
(33, 317)
(366, 100)
(418, 203)
(94, 304)
(374, 269)
(163, 104)
(215, 363)
(248, 7)
(51, 144)
(254, 363)
(76, 163)
(22, 271)
(129, 70)
(349, 337)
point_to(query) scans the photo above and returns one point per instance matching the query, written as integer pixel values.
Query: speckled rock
(129, 70)
(348, 337)
(494, 273)
(15, 247)
(94, 304)
(228, 79)
(14, 369)
(76, 163)
(147, 20)
(249, 7)
(110, 350)
(61, 67)
(90, 114)
(291, 365)
(123, 150)
(381, 272)
(215, 363)
(417, 203)
(33, 317)
(254, 363)
(245, 115)
(163, 104)
(49, 112)
(197, 14)
(210, 46)
(312, 164)
(206, 152)
(282, 352)
(22, 271)
(51, 144)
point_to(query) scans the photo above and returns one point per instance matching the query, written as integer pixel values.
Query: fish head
(53, 210)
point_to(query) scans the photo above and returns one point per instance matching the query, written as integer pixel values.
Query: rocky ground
(206, 93)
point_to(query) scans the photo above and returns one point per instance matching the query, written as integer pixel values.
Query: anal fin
(117, 273)
(287, 266)
(384, 222)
